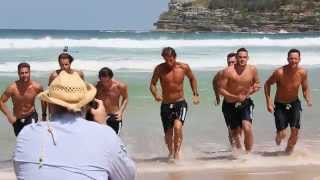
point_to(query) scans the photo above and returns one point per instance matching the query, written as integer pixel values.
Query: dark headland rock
(240, 16)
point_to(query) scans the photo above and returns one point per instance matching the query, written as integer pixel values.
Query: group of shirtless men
(236, 83)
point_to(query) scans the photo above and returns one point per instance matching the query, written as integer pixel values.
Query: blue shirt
(83, 150)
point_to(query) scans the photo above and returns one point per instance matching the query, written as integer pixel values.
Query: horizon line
(62, 29)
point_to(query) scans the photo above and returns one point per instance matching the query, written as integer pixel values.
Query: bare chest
(111, 93)
(290, 81)
(24, 95)
(244, 78)
(175, 76)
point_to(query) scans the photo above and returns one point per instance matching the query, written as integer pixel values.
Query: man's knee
(282, 134)
(294, 133)
(235, 133)
(177, 125)
(169, 132)
(247, 127)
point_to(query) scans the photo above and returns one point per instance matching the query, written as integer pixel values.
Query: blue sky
(80, 14)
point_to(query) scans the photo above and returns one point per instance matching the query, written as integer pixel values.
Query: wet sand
(7, 174)
(308, 172)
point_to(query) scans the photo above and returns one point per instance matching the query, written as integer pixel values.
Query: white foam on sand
(228, 160)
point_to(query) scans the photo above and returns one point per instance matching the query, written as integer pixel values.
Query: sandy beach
(308, 172)
(7, 174)
(284, 173)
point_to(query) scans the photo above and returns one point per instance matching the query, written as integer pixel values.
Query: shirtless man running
(231, 60)
(236, 84)
(23, 93)
(287, 106)
(114, 95)
(174, 107)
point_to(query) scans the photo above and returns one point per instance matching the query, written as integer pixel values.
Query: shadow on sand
(235, 157)
(154, 159)
(273, 153)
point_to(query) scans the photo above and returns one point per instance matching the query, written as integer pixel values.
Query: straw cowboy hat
(70, 91)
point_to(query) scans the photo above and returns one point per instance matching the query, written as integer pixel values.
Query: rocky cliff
(241, 16)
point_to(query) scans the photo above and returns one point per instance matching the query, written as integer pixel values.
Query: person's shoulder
(302, 70)
(36, 84)
(219, 73)
(53, 74)
(98, 85)
(78, 71)
(160, 66)
(121, 84)
(227, 70)
(103, 131)
(225, 73)
(252, 67)
(182, 65)
(12, 86)
(280, 70)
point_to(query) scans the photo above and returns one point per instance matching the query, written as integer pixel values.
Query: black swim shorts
(287, 113)
(235, 113)
(114, 123)
(20, 123)
(173, 111)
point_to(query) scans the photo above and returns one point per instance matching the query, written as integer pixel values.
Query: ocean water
(134, 54)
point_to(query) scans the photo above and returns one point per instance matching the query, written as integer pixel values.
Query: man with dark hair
(287, 107)
(231, 60)
(105, 72)
(168, 51)
(65, 60)
(174, 107)
(114, 95)
(23, 93)
(236, 84)
(294, 51)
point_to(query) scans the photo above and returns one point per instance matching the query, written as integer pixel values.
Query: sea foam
(49, 42)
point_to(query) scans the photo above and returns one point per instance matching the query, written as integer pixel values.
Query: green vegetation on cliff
(241, 16)
(254, 5)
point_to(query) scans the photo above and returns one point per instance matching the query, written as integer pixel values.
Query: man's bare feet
(170, 158)
(177, 155)
(289, 150)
